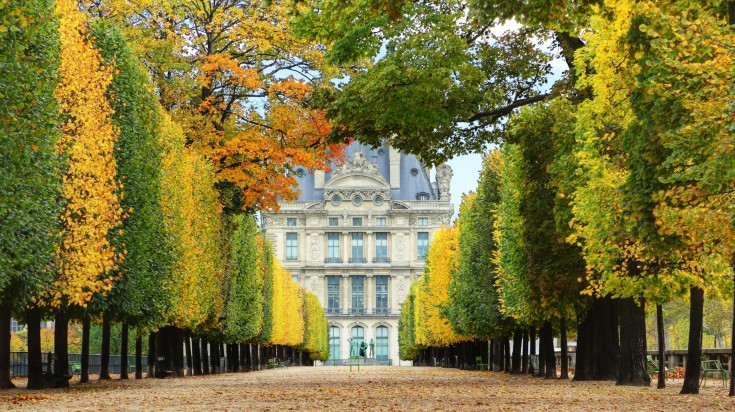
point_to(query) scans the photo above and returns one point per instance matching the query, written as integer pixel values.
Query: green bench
(75, 368)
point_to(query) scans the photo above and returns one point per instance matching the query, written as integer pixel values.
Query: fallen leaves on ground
(372, 388)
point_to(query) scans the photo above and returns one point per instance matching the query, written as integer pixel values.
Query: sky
(466, 171)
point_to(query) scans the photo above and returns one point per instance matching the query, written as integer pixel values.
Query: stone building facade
(356, 237)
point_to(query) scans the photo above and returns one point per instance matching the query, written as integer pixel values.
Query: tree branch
(506, 110)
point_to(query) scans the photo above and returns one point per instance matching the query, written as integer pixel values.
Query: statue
(353, 347)
(372, 348)
(443, 178)
(363, 347)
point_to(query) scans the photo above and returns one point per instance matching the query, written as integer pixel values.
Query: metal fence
(19, 363)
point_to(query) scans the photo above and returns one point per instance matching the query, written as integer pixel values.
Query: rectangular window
(357, 252)
(295, 278)
(358, 294)
(422, 245)
(380, 221)
(292, 246)
(332, 245)
(356, 221)
(381, 342)
(381, 294)
(332, 294)
(381, 245)
(291, 221)
(423, 221)
(333, 221)
(333, 342)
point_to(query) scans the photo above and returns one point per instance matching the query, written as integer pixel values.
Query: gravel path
(373, 388)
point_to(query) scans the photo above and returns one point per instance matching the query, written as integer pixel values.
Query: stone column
(369, 292)
(345, 301)
(346, 252)
(369, 246)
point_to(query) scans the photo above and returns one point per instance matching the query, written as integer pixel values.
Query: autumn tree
(683, 101)
(29, 179)
(242, 87)
(139, 298)
(90, 191)
(442, 261)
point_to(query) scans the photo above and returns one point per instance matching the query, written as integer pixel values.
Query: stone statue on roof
(443, 179)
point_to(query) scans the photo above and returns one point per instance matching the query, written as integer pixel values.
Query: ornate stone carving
(314, 285)
(314, 246)
(358, 163)
(365, 194)
(316, 206)
(443, 179)
(275, 221)
(442, 220)
(400, 247)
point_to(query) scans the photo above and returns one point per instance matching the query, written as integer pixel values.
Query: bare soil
(372, 388)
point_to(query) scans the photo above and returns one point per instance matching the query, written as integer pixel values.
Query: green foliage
(316, 329)
(407, 349)
(29, 175)
(437, 80)
(552, 266)
(140, 295)
(243, 313)
(266, 272)
(475, 305)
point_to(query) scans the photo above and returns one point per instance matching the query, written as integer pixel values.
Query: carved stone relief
(314, 246)
(400, 246)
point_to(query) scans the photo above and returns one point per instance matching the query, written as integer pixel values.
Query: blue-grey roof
(410, 185)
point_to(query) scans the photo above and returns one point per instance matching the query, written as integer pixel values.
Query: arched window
(333, 342)
(381, 342)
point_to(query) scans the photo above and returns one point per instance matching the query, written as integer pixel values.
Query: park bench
(712, 367)
(480, 366)
(273, 363)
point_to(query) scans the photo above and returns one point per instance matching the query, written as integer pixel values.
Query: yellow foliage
(433, 329)
(192, 213)
(90, 188)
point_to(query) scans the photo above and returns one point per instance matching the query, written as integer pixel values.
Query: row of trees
(112, 212)
(612, 191)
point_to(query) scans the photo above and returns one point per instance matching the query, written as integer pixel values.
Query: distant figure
(363, 348)
(372, 348)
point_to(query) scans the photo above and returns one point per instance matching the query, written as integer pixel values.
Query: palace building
(357, 236)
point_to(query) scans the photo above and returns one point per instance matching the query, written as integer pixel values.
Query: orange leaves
(90, 188)
(223, 68)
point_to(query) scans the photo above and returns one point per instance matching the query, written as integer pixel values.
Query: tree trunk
(506, 356)
(243, 357)
(732, 265)
(205, 356)
(196, 354)
(84, 374)
(497, 355)
(214, 359)
(694, 354)
(35, 363)
(105, 351)
(61, 349)
(532, 351)
(138, 355)
(597, 342)
(176, 343)
(632, 365)
(661, 347)
(564, 348)
(152, 355)
(541, 366)
(189, 360)
(124, 335)
(517, 344)
(5, 382)
(524, 353)
(547, 341)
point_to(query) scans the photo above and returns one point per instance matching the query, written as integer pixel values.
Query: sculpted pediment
(357, 177)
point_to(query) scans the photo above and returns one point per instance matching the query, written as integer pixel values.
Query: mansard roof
(366, 168)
